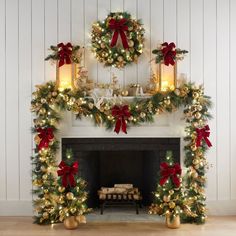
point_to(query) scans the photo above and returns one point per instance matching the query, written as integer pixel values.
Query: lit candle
(65, 77)
(167, 78)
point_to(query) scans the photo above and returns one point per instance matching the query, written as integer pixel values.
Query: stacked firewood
(119, 192)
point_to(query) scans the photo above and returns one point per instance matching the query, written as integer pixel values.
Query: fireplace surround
(104, 162)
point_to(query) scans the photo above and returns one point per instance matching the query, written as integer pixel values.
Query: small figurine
(83, 82)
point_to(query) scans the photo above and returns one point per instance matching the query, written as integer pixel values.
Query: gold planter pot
(70, 223)
(173, 223)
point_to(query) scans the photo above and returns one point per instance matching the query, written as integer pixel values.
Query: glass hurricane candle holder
(166, 78)
(66, 76)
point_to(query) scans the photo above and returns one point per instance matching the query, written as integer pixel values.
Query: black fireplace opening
(104, 162)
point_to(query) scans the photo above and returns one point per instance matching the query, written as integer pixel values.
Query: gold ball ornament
(70, 196)
(171, 192)
(104, 54)
(186, 89)
(37, 139)
(193, 147)
(81, 219)
(51, 210)
(110, 60)
(102, 45)
(45, 215)
(107, 107)
(45, 177)
(120, 59)
(43, 100)
(131, 43)
(52, 100)
(197, 166)
(70, 223)
(66, 210)
(131, 50)
(177, 92)
(166, 198)
(43, 169)
(73, 210)
(142, 115)
(196, 95)
(72, 100)
(61, 189)
(172, 205)
(54, 94)
(45, 191)
(61, 200)
(47, 203)
(53, 122)
(130, 118)
(194, 174)
(42, 111)
(35, 182)
(124, 93)
(199, 107)
(167, 102)
(42, 159)
(198, 115)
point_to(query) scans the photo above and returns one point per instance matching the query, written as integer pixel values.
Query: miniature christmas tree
(169, 193)
(71, 190)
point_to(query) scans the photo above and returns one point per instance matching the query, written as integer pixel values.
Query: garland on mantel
(48, 103)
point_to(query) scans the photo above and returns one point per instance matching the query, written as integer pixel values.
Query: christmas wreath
(118, 40)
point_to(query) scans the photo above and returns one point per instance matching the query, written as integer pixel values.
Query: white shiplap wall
(207, 28)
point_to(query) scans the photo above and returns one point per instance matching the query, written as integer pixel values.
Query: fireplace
(104, 162)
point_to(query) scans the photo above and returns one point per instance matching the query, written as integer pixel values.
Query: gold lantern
(66, 76)
(166, 78)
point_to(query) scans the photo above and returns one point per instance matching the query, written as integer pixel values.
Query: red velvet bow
(119, 27)
(203, 133)
(67, 173)
(169, 53)
(170, 172)
(64, 53)
(46, 135)
(121, 113)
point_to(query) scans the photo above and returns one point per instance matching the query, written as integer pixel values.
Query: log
(126, 186)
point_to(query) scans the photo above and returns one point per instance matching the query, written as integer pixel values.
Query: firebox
(105, 162)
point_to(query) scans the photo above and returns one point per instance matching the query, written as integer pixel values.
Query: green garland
(48, 103)
(75, 56)
(117, 56)
(168, 51)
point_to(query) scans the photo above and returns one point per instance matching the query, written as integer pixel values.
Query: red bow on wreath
(64, 53)
(45, 135)
(67, 173)
(169, 53)
(203, 133)
(170, 172)
(119, 27)
(121, 113)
